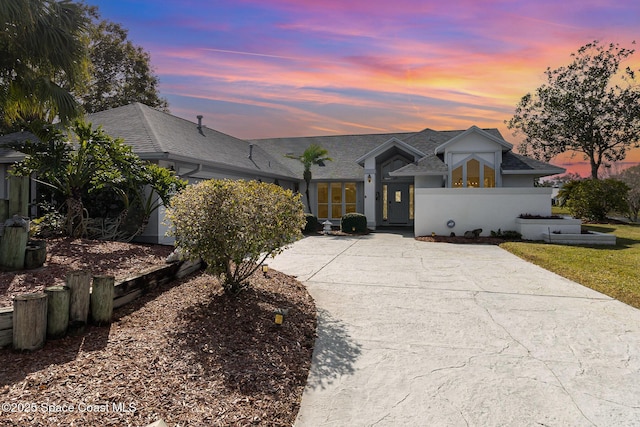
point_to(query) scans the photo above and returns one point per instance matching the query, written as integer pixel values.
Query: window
(336, 199)
(323, 200)
(411, 201)
(473, 173)
(350, 200)
(489, 177)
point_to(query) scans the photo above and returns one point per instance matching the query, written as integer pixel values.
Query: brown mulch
(65, 254)
(186, 353)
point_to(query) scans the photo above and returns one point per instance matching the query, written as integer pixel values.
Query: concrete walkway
(433, 334)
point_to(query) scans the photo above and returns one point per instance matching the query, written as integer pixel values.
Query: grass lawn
(612, 270)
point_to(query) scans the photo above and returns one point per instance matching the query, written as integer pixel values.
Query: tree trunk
(102, 299)
(29, 321)
(18, 195)
(13, 245)
(79, 283)
(57, 311)
(74, 221)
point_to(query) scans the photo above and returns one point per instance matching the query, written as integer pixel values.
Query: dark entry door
(398, 203)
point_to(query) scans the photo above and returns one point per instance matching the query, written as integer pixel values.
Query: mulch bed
(186, 353)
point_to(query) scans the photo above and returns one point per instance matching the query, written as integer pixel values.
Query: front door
(398, 203)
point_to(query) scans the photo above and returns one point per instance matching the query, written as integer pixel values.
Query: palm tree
(42, 58)
(313, 155)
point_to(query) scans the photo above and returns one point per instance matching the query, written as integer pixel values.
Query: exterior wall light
(369, 178)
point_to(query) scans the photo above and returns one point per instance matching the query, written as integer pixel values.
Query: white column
(370, 192)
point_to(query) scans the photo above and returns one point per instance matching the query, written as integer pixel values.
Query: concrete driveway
(434, 334)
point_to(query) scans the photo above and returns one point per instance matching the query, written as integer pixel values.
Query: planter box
(536, 229)
(591, 238)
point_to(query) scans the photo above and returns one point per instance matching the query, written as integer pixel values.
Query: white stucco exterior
(472, 208)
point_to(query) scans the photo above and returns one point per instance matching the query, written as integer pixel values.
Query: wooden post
(57, 311)
(13, 246)
(102, 299)
(18, 195)
(36, 254)
(29, 321)
(79, 283)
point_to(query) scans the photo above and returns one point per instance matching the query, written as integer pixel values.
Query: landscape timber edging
(126, 291)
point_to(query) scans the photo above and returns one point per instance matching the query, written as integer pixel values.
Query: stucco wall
(471, 208)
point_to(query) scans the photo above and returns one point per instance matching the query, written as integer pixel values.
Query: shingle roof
(151, 132)
(8, 155)
(512, 162)
(428, 165)
(343, 149)
(154, 134)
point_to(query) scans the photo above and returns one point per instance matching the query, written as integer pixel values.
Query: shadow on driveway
(335, 352)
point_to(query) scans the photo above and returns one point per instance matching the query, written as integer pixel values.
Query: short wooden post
(102, 299)
(79, 283)
(18, 195)
(13, 246)
(29, 321)
(36, 254)
(57, 311)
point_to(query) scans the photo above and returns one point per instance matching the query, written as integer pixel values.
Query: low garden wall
(446, 210)
(125, 291)
(537, 228)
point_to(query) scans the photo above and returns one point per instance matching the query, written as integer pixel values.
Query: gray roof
(154, 134)
(515, 163)
(8, 155)
(430, 164)
(343, 149)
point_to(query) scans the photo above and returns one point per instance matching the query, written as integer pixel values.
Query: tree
(313, 155)
(121, 72)
(42, 58)
(594, 199)
(233, 226)
(586, 107)
(88, 164)
(631, 177)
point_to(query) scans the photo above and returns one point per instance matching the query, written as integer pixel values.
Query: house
(434, 181)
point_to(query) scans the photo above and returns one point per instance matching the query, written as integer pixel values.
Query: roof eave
(540, 172)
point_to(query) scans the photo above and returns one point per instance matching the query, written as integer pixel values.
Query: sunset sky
(276, 68)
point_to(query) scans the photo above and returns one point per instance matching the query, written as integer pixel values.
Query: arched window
(473, 172)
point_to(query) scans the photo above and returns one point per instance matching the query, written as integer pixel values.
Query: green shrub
(234, 226)
(354, 223)
(594, 199)
(311, 226)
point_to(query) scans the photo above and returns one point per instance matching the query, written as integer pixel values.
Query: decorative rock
(474, 234)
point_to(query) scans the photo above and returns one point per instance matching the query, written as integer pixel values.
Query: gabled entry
(389, 199)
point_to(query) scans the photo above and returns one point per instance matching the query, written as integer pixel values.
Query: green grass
(612, 270)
